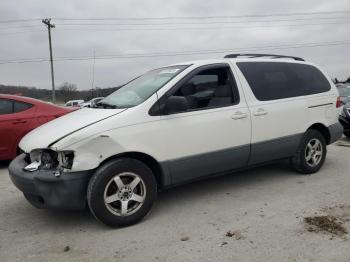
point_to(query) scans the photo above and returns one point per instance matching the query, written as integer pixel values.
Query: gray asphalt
(266, 205)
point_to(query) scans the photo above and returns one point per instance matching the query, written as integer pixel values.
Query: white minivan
(177, 124)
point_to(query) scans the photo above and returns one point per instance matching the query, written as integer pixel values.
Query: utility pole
(47, 22)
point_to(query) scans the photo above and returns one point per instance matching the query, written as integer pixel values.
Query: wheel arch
(157, 169)
(323, 130)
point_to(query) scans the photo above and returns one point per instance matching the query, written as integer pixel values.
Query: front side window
(140, 89)
(6, 106)
(278, 80)
(208, 88)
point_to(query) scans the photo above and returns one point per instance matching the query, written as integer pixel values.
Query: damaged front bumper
(45, 190)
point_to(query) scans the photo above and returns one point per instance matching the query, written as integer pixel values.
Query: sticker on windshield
(169, 71)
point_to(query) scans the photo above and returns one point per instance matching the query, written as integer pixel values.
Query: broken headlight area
(48, 159)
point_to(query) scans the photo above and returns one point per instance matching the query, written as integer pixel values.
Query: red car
(18, 116)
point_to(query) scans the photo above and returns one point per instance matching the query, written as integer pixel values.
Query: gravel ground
(256, 215)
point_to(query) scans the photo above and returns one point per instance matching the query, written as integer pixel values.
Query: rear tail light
(338, 103)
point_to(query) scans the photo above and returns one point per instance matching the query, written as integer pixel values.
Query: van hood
(55, 130)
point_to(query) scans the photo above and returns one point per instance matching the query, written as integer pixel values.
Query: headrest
(223, 91)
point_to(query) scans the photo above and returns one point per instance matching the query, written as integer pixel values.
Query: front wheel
(122, 192)
(311, 153)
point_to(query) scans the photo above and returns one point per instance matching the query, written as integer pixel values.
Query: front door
(213, 134)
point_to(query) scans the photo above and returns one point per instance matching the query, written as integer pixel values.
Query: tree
(68, 91)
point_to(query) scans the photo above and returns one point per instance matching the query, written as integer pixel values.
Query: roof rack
(264, 55)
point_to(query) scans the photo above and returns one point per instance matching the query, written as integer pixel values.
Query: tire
(112, 186)
(301, 161)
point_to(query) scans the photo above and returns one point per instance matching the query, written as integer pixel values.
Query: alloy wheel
(313, 152)
(124, 194)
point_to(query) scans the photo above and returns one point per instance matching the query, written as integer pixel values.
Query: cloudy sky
(112, 28)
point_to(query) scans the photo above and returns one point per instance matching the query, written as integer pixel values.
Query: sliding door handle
(260, 112)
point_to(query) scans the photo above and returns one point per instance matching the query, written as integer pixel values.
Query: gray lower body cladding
(194, 167)
(223, 161)
(335, 131)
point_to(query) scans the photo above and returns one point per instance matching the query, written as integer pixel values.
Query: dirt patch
(184, 238)
(341, 211)
(334, 221)
(235, 233)
(326, 223)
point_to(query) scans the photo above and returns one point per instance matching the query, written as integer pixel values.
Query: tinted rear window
(277, 80)
(20, 106)
(6, 107)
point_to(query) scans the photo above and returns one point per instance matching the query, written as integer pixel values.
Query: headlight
(65, 159)
(50, 159)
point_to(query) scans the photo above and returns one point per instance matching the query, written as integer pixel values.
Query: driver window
(209, 88)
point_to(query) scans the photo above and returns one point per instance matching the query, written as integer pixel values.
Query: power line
(181, 28)
(21, 26)
(19, 20)
(206, 17)
(203, 23)
(22, 32)
(201, 28)
(334, 12)
(181, 23)
(180, 53)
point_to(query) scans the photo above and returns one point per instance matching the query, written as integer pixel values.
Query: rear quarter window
(20, 106)
(278, 80)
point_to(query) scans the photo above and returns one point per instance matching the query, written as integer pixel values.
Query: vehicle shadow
(4, 163)
(227, 183)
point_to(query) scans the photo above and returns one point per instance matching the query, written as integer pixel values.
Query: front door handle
(260, 112)
(239, 115)
(19, 122)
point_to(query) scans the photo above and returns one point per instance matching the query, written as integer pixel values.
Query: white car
(74, 103)
(176, 124)
(92, 102)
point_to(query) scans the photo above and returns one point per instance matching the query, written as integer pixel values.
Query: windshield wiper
(106, 105)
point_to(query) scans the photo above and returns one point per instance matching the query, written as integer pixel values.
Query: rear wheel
(122, 192)
(311, 153)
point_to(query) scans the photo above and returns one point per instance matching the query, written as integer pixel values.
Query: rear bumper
(44, 190)
(336, 131)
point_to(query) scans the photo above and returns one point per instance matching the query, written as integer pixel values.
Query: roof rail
(264, 55)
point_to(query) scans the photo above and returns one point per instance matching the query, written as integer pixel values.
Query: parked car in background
(344, 119)
(18, 116)
(177, 124)
(344, 93)
(74, 103)
(92, 102)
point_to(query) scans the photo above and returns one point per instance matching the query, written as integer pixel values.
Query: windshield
(344, 91)
(140, 89)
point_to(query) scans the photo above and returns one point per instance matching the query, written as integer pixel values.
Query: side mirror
(175, 104)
